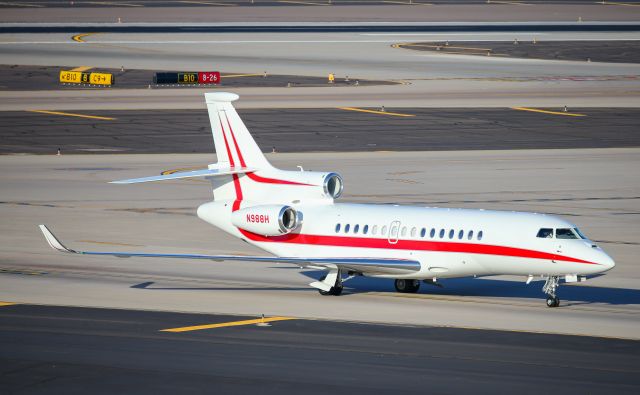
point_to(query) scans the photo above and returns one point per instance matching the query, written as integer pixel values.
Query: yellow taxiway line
(227, 324)
(79, 37)
(82, 68)
(396, 114)
(568, 114)
(69, 114)
(6, 304)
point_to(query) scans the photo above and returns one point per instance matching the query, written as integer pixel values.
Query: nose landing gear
(550, 287)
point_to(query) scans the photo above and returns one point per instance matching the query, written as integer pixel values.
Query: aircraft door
(394, 231)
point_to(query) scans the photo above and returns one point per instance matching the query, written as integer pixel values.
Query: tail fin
(234, 145)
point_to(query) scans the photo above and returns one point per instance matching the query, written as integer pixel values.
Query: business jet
(293, 215)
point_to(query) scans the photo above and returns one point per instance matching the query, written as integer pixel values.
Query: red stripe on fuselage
(410, 245)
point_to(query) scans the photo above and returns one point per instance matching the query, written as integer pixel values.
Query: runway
(318, 130)
(126, 351)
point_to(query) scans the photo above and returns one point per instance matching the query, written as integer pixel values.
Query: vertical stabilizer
(233, 142)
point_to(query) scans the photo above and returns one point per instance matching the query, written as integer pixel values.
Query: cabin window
(403, 231)
(337, 228)
(423, 232)
(565, 233)
(433, 233)
(470, 235)
(365, 230)
(451, 232)
(461, 234)
(374, 230)
(384, 231)
(441, 233)
(480, 234)
(413, 232)
(356, 228)
(545, 233)
(346, 228)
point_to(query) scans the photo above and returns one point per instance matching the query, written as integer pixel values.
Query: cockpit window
(545, 233)
(565, 233)
(580, 233)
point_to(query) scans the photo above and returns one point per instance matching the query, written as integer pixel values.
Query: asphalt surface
(78, 350)
(593, 51)
(16, 77)
(314, 11)
(305, 130)
(263, 3)
(319, 27)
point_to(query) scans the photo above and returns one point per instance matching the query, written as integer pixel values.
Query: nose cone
(606, 261)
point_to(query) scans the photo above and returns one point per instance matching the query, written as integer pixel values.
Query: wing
(211, 172)
(362, 265)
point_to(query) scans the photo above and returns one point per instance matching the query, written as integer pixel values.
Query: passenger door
(394, 231)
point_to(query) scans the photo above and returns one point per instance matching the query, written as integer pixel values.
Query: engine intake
(267, 220)
(333, 185)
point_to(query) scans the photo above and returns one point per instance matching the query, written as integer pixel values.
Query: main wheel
(335, 291)
(553, 302)
(407, 286)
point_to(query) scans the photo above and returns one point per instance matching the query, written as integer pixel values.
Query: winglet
(53, 241)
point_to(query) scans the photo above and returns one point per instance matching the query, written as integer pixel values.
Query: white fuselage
(446, 242)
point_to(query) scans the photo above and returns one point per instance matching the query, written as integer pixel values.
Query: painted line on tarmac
(82, 68)
(69, 114)
(79, 37)
(302, 2)
(405, 2)
(618, 3)
(112, 3)
(227, 324)
(241, 75)
(21, 4)
(7, 304)
(395, 114)
(207, 3)
(507, 2)
(568, 114)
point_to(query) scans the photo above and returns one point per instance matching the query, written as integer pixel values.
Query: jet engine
(267, 220)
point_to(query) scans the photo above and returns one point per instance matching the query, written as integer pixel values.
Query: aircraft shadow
(148, 285)
(478, 287)
(486, 287)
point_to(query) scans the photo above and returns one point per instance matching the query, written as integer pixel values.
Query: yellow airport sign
(77, 77)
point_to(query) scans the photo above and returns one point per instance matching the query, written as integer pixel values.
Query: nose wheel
(553, 302)
(550, 288)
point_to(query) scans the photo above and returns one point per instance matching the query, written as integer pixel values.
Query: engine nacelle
(267, 220)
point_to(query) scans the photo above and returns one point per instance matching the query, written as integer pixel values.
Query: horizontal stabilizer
(364, 265)
(188, 174)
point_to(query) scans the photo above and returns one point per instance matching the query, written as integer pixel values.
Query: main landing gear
(550, 287)
(407, 286)
(330, 284)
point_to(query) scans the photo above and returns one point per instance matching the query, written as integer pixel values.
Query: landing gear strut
(335, 279)
(550, 287)
(407, 286)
